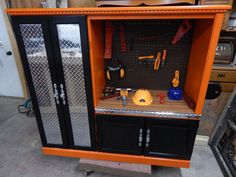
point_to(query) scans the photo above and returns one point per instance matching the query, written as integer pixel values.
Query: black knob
(9, 53)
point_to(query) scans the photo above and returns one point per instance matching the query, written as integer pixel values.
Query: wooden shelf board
(179, 106)
(224, 67)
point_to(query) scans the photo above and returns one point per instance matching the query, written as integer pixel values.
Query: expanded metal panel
(70, 47)
(38, 64)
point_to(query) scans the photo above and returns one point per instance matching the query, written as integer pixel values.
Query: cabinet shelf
(170, 108)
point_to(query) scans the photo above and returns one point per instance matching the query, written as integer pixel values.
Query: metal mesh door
(38, 64)
(71, 53)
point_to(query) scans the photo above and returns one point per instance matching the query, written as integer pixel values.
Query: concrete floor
(211, 112)
(20, 154)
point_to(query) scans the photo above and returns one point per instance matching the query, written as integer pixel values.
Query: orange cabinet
(193, 56)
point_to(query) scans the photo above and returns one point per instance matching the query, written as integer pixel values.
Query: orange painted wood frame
(124, 11)
(208, 26)
(206, 37)
(117, 157)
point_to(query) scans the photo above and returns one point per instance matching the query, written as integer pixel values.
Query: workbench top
(171, 108)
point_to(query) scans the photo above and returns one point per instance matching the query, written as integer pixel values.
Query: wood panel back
(13, 3)
(81, 3)
(36, 3)
(140, 2)
(27, 3)
(19, 4)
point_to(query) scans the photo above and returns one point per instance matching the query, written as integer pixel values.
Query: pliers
(157, 61)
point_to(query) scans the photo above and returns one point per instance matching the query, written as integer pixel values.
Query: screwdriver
(163, 58)
(145, 57)
(157, 61)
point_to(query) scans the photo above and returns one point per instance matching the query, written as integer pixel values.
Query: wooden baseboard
(116, 157)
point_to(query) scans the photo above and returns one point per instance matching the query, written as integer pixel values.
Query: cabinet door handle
(140, 138)
(56, 93)
(148, 137)
(62, 95)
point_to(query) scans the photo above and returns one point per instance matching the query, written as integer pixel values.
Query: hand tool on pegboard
(146, 57)
(157, 61)
(146, 60)
(175, 80)
(122, 38)
(108, 41)
(183, 29)
(164, 53)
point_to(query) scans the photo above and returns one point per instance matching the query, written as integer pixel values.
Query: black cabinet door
(34, 41)
(170, 138)
(54, 52)
(70, 48)
(120, 134)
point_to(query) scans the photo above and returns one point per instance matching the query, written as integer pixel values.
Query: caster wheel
(87, 173)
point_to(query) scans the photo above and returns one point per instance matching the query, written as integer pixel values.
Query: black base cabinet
(160, 137)
(120, 134)
(171, 138)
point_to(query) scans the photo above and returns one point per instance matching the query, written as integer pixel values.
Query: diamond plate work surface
(38, 63)
(70, 48)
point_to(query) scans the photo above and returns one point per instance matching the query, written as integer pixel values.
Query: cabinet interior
(148, 37)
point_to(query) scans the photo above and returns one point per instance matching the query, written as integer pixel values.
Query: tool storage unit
(67, 77)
